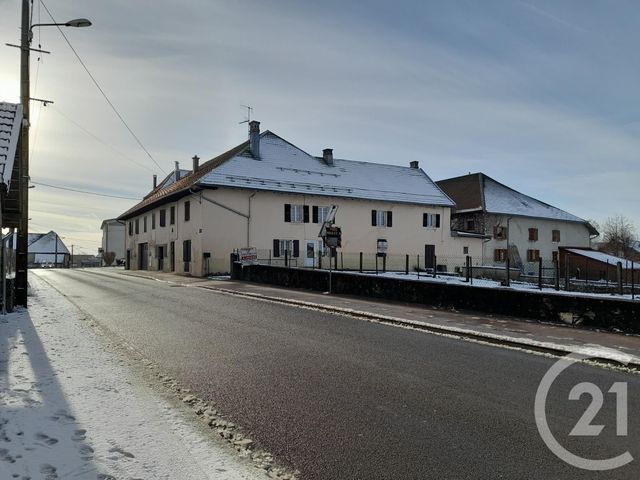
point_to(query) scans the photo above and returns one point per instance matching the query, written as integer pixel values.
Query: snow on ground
(71, 408)
(486, 283)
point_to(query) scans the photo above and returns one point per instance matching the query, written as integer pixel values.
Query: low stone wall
(609, 313)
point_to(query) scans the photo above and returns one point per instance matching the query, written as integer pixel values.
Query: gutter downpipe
(232, 210)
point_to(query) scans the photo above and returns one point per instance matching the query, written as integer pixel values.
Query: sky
(540, 95)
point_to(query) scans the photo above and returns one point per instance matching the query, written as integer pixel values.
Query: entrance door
(161, 256)
(311, 248)
(172, 256)
(143, 256)
(127, 265)
(429, 256)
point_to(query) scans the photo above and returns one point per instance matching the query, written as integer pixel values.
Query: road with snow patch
(342, 398)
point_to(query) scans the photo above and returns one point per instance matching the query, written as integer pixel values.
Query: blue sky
(540, 95)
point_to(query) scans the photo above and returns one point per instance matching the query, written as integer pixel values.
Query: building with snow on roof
(269, 194)
(518, 226)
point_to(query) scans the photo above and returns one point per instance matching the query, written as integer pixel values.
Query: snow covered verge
(72, 407)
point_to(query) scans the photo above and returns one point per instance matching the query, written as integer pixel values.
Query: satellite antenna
(249, 110)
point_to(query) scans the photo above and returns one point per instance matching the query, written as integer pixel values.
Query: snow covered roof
(10, 124)
(283, 167)
(602, 257)
(478, 191)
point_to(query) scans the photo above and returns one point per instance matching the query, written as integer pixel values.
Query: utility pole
(23, 168)
(71, 264)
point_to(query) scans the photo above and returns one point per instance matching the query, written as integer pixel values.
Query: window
(381, 218)
(555, 235)
(471, 225)
(144, 224)
(153, 221)
(187, 211)
(555, 256)
(296, 213)
(500, 254)
(320, 214)
(533, 255)
(137, 226)
(163, 217)
(533, 234)
(292, 247)
(431, 220)
(499, 232)
(130, 228)
(186, 254)
(465, 250)
(172, 216)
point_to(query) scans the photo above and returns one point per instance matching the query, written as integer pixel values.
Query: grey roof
(283, 167)
(10, 123)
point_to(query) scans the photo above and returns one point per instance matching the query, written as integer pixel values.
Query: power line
(98, 139)
(95, 82)
(82, 191)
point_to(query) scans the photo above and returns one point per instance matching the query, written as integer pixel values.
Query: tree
(618, 235)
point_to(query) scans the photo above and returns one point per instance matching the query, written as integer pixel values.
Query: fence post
(384, 264)
(418, 258)
(540, 273)
(269, 257)
(586, 274)
(471, 269)
(360, 262)
(466, 269)
(556, 271)
(341, 262)
(566, 273)
(320, 260)
(507, 264)
(633, 280)
(406, 264)
(376, 263)
(620, 286)
(607, 274)
(435, 261)
(286, 258)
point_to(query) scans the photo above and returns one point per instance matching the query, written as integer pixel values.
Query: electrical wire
(82, 191)
(95, 82)
(98, 139)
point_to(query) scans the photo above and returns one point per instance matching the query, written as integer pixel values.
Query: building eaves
(183, 185)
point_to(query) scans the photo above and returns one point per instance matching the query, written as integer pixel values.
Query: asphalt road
(341, 398)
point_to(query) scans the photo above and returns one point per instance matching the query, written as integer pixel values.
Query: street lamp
(23, 166)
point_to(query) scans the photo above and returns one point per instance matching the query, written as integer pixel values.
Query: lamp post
(23, 165)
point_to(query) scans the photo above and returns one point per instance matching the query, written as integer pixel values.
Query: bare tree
(618, 235)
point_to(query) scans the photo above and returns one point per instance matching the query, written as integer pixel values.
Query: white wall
(219, 228)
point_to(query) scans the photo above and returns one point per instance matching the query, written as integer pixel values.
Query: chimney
(196, 163)
(155, 181)
(177, 171)
(414, 164)
(327, 156)
(254, 138)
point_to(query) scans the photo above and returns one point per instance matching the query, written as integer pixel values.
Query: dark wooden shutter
(315, 214)
(296, 248)
(425, 219)
(389, 219)
(437, 220)
(374, 218)
(276, 247)
(305, 213)
(287, 212)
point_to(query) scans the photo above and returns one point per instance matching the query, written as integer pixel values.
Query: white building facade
(271, 195)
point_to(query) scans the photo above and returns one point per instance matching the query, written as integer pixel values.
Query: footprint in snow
(49, 471)
(86, 452)
(121, 452)
(46, 439)
(5, 457)
(104, 476)
(79, 435)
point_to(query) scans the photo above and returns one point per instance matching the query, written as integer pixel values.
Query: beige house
(269, 194)
(517, 225)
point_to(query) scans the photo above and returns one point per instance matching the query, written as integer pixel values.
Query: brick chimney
(177, 171)
(254, 138)
(327, 156)
(155, 181)
(196, 163)
(414, 164)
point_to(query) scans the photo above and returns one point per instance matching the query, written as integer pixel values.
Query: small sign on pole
(248, 256)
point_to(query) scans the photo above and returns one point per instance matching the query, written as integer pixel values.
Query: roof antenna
(249, 110)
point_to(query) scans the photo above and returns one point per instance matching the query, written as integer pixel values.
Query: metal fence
(587, 276)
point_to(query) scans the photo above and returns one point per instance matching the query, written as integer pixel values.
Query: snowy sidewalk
(73, 408)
